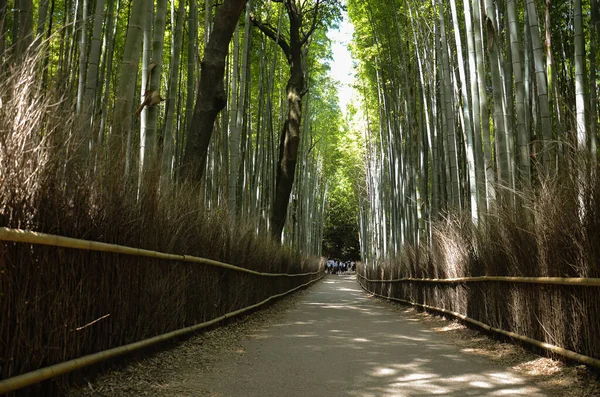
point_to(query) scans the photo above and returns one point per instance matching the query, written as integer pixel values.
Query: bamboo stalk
(30, 378)
(581, 281)
(27, 236)
(546, 346)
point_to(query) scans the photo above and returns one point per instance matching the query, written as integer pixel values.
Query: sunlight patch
(481, 384)
(384, 372)
(415, 377)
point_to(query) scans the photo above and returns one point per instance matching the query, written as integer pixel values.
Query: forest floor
(333, 339)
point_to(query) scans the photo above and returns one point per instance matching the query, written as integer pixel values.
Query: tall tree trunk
(24, 27)
(82, 54)
(428, 139)
(91, 85)
(16, 10)
(509, 106)
(236, 128)
(467, 116)
(478, 150)
(234, 136)
(41, 21)
(45, 56)
(483, 105)
(122, 119)
(211, 97)
(547, 152)
(148, 146)
(208, 21)
(554, 99)
(580, 77)
(493, 38)
(148, 21)
(168, 142)
(527, 83)
(3, 12)
(112, 22)
(192, 54)
(452, 159)
(295, 52)
(593, 95)
(524, 174)
(72, 69)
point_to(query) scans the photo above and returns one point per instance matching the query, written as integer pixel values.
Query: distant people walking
(335, 266)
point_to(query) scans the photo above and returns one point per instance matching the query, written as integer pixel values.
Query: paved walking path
(338, 341)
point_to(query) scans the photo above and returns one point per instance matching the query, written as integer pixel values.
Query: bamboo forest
(299, 198)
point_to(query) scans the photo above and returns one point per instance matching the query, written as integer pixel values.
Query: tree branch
(314, 23)
(270, 32)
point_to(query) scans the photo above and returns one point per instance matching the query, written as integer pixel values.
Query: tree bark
(211, 97)
(290, 134)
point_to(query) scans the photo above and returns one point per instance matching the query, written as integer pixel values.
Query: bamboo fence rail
(30, 378)
(27, 236)
(581, 281)
(546, 346)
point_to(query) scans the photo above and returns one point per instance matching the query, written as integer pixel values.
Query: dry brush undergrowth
(551, 232)
(50, 297)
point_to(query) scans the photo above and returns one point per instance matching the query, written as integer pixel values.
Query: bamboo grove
(469, 105)
(165, 126)
(131, 71)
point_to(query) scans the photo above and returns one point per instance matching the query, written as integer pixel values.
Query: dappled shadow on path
(340, 342)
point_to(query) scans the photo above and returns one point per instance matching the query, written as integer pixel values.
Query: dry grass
(50, 298)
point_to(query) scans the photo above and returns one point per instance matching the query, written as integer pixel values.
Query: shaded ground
(335, 340)
(556, 377)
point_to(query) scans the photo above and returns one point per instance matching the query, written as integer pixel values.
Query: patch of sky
(342, 65)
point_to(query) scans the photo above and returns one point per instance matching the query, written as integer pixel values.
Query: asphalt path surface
(339, 341)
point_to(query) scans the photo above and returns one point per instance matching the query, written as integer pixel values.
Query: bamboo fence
(569, 354)
(39, 375)
(581, 281)
(33, 377)
(27, 236)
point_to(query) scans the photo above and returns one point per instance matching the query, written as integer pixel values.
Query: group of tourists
(335, 266)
